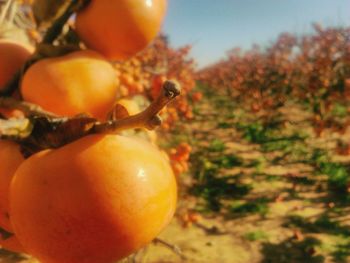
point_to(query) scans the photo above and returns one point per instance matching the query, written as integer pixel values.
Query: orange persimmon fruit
(130, 105)
(97, 199)
(10, 159)
(119, 29)
(79, 82)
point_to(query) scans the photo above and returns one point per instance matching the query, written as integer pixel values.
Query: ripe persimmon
(97, 199)
(157, 83)
(120, 28)
(80, 82)
(12, 56)
(10, 159)
(130, 105)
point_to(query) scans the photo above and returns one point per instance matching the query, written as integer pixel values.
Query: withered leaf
(53, 133)
(39, 133)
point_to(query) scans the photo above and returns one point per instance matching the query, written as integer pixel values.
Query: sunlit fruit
(130, 105)
(10, 159)
(97, 199)
(12, 56)
(120, 28)
(80, 82)
(197, 96)
(156, 86)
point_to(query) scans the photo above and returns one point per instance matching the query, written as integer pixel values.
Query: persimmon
(97, 199)
(130, 105)
(12, 56)
(79, 82)
(157, 83)
(197, 96)
(120, 28)
(10, 159)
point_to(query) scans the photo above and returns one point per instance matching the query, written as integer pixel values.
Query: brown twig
(43, 130)
(172, 247)
(146, 119)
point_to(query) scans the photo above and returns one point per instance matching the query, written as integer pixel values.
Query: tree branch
(43, 130)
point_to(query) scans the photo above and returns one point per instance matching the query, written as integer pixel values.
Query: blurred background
(260, 139)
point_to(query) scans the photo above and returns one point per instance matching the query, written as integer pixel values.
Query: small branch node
(171, 89)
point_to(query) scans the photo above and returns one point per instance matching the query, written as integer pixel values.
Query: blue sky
(215, 26)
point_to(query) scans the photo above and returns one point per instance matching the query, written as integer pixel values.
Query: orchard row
(313, 69)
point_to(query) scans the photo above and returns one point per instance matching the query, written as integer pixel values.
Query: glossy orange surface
(120, 28)
(130, 105)
(10, 159)
(95, 200)
(80, 82)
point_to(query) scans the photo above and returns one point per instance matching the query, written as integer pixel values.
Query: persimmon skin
(10, 160)
(80, 82)
(12, 56)
(130, 105)
(97, 199)
(119, 29)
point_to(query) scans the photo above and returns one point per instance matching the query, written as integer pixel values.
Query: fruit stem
(148, 118)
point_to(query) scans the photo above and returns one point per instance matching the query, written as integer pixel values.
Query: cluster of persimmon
(103, 196)
(179, 157)
(312, 68)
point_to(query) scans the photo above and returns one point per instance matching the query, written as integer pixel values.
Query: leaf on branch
(46, 11)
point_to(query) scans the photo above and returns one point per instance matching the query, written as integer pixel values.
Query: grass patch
(217, 145)
(258, 206)
(256, 235)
